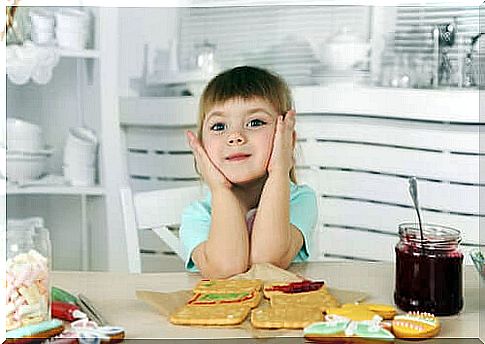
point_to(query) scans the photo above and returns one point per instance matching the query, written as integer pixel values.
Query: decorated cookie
(222, 314)
(353, 312)
(227, 286)
(304, 286)
(285, 317)
(415, 325)
(385, 311)
(250, 299)
(321, 301)
(326, 329)
(342, 330)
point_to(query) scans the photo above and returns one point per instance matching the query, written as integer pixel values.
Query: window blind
(275, 37)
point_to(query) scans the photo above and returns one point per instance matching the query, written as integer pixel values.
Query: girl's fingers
(290, 118)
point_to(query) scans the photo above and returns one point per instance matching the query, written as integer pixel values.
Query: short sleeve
(194, 230)
(303, 215)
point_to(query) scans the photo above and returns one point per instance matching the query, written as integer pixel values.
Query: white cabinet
(83, 221)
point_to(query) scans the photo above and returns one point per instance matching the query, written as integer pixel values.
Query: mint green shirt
(196, 221)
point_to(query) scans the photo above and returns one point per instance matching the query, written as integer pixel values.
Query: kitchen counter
(114, 295)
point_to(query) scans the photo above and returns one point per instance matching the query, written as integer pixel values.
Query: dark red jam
(298, 287)
(429, 275)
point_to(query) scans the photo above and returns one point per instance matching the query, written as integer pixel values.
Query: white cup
(78, 175)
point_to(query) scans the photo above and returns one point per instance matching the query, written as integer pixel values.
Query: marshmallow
(27, 287)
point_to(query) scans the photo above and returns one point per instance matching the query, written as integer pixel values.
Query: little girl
(255, 212)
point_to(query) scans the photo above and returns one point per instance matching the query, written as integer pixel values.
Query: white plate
(47, 151)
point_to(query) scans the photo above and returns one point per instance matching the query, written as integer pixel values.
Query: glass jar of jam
(429, 269)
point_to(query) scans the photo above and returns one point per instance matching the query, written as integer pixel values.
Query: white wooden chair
(156, 211)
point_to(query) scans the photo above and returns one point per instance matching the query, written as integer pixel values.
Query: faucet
(443, 40)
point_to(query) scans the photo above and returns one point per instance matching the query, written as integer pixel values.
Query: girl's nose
(235, 139)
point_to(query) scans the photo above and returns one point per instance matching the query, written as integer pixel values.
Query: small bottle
(404, 80)
(429, 270)
(27, 273)
(468, 71)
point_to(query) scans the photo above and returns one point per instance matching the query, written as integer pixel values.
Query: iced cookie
(250, 299)
(415, 325)
(285, 317)
(227, 286)
(353, 312)
(338, 329)
(225, 314)
(319, 331)
(385, 311)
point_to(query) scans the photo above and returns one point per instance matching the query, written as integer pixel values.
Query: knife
(88, 307)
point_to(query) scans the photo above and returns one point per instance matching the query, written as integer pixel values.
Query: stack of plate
(26, 152)
(80, 155)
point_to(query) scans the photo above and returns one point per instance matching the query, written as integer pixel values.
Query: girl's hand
(210, 173)
(281, 160)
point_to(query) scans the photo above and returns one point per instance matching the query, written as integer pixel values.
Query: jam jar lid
(434, 236)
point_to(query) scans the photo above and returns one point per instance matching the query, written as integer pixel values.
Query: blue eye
(218, 126)
(256, 123)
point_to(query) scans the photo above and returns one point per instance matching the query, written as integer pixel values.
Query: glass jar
(27, 273)
(205, 57)
(429, 272)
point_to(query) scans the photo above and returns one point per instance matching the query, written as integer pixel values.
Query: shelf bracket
(89, 71)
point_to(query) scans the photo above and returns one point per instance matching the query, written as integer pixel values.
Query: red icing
(297, 287)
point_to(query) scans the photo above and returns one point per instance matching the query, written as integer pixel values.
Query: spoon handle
(413, 190)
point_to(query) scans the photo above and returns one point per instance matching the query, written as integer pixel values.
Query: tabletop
(114, 294)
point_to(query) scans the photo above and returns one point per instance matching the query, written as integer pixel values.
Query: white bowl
(71, 40)
(42, 20)
(23, 136)
(24, 167)
(43, 37)
(71, 18)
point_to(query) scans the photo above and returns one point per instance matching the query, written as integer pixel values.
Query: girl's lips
(237, 157)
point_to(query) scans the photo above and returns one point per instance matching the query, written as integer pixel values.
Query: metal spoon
(413, 190)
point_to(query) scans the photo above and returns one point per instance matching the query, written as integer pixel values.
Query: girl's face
(238, 137)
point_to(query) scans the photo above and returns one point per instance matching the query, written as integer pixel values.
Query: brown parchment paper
(166, 303)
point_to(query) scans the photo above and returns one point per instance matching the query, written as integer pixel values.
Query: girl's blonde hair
(245, 82)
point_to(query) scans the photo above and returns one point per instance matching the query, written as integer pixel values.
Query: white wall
(138, 26)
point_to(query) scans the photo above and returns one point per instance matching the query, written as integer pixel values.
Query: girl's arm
(226, 251)
(274, 239)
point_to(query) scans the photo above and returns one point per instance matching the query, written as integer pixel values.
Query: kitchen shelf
(87, 53)
(442, 105)
(56, 190)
